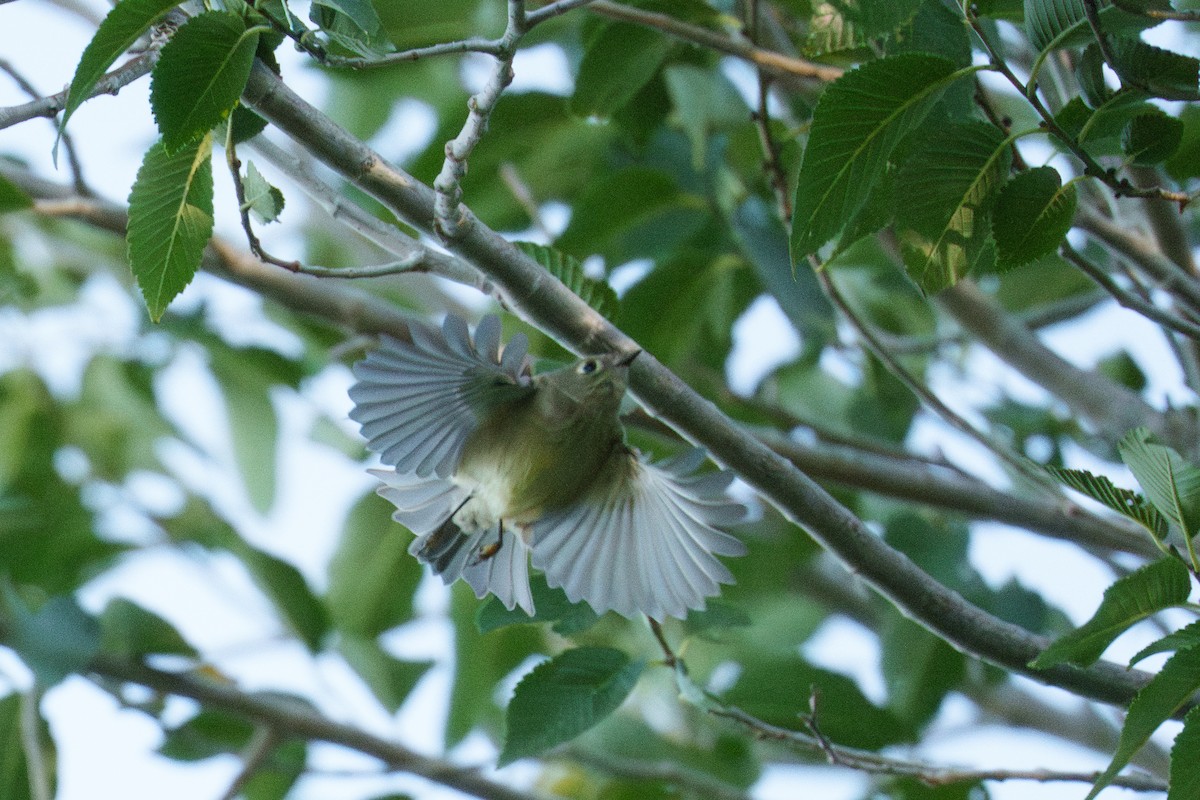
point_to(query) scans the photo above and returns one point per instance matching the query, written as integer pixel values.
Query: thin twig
(37, 770)
(933, 774)
(1018, 462)
(448, 203)
(1092, 12)
(1127, 299)
(413, 261)
(1121, 187)
(1145, 255)
(408, 251)
(111, 83)
(524, 196)
(669, 656)
(260, 747)
(776, 175)
(68, 142)
(553, 10)
(300, 720)
(239, 188)
(768, 60)
(1142, 9)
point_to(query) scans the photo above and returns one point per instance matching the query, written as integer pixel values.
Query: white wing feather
(414, 400)
(423, 504)
(644, 543)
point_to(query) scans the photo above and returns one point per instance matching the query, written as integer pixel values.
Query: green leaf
(246, 376)
(1157, 586)
(1124, 501)
(563, 697)
(1061, 23)
(716, 618)
(1090, 73)
(568, 269)
(1153, 69)
(763, 239)
(264, 200)
(935, 29)
(372, 578)
(1149, 139)
(1185, 637)
(944, 191)
(287, 590)
(684, 310)
(918, 668)
(13, 197)
(352, 24)
(209, 733)
(704, 101)
(15, 783)
(56, 640)
(480, 663)
(550, 605)
(1165, 694)
(1185, 767)
(1032, 215)
(127, 21)
(859, 119)
(618, 62)
(390, 679)
(128, 630)
(845, 25)
(1172, 484)
(170, 221)
(360, 12)
(1185, 163)
(777, 688)
(200, 75)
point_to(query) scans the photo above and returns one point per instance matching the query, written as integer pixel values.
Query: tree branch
(299, 720)
(111, 83)
(1110, 406)
(538, 296)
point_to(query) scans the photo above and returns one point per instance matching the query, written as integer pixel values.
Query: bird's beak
(627, 359)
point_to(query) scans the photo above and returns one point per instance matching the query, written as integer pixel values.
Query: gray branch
(1110, 406)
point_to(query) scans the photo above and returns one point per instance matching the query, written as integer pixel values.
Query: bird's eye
(589, 366)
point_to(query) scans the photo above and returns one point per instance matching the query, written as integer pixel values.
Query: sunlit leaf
(170, 221)
(123, 25)
(945, 189)
(200, 75)
(858, 121)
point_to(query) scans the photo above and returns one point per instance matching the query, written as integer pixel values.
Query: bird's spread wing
(643, 541)
(424, 506)
(418, 402)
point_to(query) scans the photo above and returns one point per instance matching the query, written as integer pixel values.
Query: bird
(494, 468)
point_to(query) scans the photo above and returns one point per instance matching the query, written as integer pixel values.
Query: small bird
(493, 467)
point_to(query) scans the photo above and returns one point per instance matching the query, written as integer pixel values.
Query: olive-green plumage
(493, 467)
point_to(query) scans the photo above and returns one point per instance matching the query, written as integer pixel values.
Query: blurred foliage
(655, 173)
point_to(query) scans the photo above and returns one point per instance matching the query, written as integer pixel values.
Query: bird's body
(493, 466)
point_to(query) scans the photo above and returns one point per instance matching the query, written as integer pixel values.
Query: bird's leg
(441, 543)
(489, 550)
